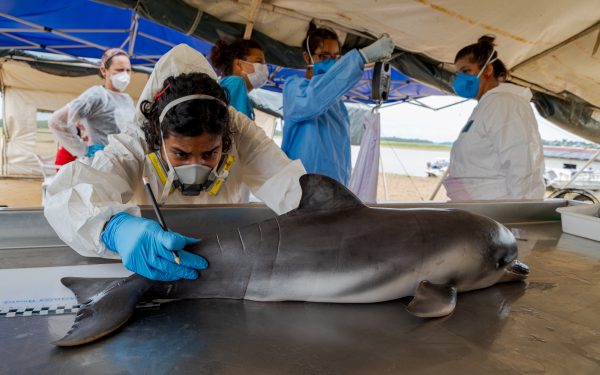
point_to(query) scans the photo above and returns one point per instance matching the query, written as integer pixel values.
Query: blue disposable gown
(316, 123)
(238, 94)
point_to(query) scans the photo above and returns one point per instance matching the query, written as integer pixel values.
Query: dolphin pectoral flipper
(106, 310)
(433, 300)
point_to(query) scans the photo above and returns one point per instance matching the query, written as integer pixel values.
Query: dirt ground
(27, 192)
(408, 188)
(20, 192)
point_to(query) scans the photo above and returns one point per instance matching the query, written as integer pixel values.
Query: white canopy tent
(548, 45)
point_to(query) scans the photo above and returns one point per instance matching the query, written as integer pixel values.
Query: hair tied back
(158, 95)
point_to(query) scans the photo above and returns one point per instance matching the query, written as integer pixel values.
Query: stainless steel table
(550, 324)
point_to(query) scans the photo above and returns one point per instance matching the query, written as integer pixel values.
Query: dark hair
(191, 118)
(223, 53)
(316, 36)
(479, 53)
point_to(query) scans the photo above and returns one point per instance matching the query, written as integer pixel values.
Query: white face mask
(260, 75)
(120, 81)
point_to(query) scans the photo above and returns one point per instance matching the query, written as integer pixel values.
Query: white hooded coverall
(82, 198)
(498, 154)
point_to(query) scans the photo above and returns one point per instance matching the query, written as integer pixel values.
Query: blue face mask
(466, 85)
(322, 67)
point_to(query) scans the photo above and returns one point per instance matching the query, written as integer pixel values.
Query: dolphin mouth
(515, 271)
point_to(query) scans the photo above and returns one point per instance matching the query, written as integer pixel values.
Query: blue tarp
(84, 28)
(402, 87)
(91, 27)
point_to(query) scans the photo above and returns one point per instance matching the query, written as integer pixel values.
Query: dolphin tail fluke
(433, 300)
(85, 288)
(106, 304)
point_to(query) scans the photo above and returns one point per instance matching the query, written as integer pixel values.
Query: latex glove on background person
(146, 249)
(379, 50)
(92, 149)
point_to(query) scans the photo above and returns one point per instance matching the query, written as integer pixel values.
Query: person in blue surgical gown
(316, 123)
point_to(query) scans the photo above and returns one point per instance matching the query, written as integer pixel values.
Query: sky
(410, 121)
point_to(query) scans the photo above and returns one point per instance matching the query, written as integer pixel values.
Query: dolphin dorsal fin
(324, 193)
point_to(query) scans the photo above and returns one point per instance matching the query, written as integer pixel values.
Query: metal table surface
(548, 325)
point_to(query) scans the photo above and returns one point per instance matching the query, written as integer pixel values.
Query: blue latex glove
(93, 149)
(378, 51)
(146, 248)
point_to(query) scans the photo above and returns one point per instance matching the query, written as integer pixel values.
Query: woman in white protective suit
(192, 147)
(101, 110)
(498, 154)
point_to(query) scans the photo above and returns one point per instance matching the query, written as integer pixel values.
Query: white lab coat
(498, 154)
(82, 198)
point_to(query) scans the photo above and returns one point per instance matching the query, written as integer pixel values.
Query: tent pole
(592, 159)
(385, 190)
(133, 32)
(254, 8)
(156, 39)
(4, 134)
(439, 185)
(124, 42)
(91, 31)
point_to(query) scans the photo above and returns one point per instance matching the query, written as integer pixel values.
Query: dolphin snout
(515, 271)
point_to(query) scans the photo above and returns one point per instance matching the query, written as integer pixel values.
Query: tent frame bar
(159, 40)
(423, 105)
(135, 18)
(53, 31)
(35, 45)
(91, 31)
(61, 33)
(82, 62)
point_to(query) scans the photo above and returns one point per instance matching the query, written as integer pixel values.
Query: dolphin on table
(332, 248)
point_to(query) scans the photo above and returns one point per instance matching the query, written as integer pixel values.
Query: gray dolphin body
(332, 248)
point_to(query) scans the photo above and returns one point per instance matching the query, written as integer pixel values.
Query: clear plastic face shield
(190, 179)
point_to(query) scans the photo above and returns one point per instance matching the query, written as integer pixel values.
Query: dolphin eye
(501, 263)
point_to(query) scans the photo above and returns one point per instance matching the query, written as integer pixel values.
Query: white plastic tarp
(365, 174)
(547, 44)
